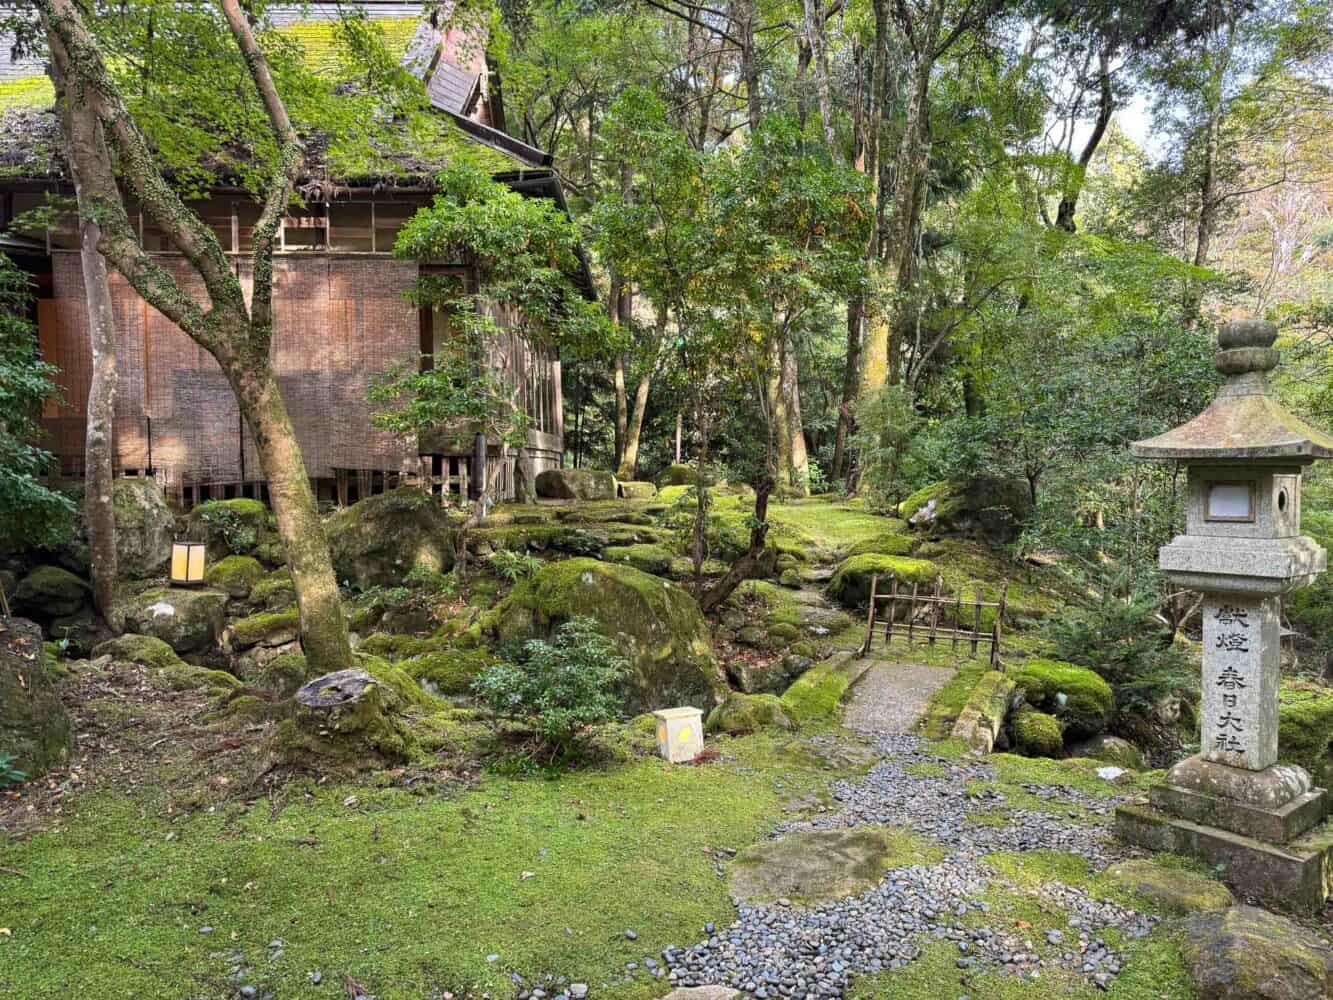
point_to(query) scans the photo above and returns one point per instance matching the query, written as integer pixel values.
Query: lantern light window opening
(1230, 500)
(187, 563)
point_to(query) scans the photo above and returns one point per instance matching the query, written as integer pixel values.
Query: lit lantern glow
(187, 563)
(680, 734)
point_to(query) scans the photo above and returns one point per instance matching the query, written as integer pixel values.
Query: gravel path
(891, 697)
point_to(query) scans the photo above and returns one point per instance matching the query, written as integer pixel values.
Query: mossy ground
(406, 892)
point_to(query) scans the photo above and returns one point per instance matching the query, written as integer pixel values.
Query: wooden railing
(929, 606)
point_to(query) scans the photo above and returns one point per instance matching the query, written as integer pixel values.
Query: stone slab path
(890, 697)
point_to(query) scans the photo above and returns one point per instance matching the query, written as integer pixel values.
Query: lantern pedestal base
(1296, 875)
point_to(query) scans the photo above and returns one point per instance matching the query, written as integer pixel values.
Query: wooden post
(999, 616)
(957, 623)
(976, 624)
(935, 608)
(911, 615)
(893, 609)
(870, 616)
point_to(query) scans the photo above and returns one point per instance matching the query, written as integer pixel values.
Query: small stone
(492, 958)
(632, 935)
(205, 930)
(578, 990)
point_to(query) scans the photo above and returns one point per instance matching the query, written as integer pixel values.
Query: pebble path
(781, 950)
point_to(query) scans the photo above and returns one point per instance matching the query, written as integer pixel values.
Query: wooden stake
(893, 609)
(999, 616)
(870, 616)
(957, 624)
(976, 625)
(935, 609)
(911, 615)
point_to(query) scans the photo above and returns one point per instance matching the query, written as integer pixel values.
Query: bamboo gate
(929, 606)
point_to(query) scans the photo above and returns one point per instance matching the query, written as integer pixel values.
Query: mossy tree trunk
(236, 335)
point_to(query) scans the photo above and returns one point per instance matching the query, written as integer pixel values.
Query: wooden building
(341, 316)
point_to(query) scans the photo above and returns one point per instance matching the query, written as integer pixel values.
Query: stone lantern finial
(1245, 346)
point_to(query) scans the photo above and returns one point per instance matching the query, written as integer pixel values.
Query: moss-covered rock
(1109, 750)
(50, 592)
(234, 575)
(274, 591)
(888, 544)
(816, 695)
(145, 527)
(407, 692)
(1305, 728)
(931, 503)
(990, 507)
(850, 585)
(282, 675)
(1037, 734)
(1075, 695)
(1171, 889)
(653, 622)
(983, 714)
(1245, 953)
(186, 620)
(232, 527)
(678, 475)
(748, 713)
(655, 559)
(34, 725)
(266, 628)
(576, 484)
(636, 490)
(448, 672)
(167, 670)
(383, 538)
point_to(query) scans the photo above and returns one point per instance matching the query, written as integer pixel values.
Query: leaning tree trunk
(99, 441)
(743, 568)
(798, 458)
(629, 457)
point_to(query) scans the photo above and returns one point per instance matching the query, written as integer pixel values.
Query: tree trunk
(323, 627)
(629, 459)
(798, 459)
(1064, 216)
(680, 426)
(622, 409)
(777, 408)
(817, 41)
(743, 568)
(99, 442)
(851, 384)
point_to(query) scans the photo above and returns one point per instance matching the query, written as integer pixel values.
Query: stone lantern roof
(1245, 423)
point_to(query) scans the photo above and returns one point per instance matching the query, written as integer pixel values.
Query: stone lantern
(1233, 804)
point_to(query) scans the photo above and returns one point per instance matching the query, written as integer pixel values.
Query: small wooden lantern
(680, 734)
(187, 563)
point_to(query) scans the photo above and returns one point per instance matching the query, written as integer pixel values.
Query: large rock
(145, 527)
(50, 592)
(380, 540)
(1174, 890)
(236, 575)
(813, 865)
(748, 713)
(1245, 953)
(1075, 695)
(34, 725)
(186, 620)
(989, 507)
(576, 484)
(653, 622)
(1110, 750)
(983, 715)
(850, 585)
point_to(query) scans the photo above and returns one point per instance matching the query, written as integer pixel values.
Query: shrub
(1124, 641)
(9, 774)
(560, 686)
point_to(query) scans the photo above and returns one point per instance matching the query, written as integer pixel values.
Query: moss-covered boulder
(983, 715)
(234, 575)
(1171, 889)
(232, 527)
(1305, 728)
(167, 670)
(1109, 750)
(748, 713)
(188, 621)
(991, 507)
(380, 540)
(447, 672)
(50, 592)
(887, 544)
(1075, 695)
(576, 484)
(931, 504)
(636, 490)
(1245, 953)
(274, 591)
(34, 725)
(145, 527)
(678, 475)
(653, 622)
(655, 559)
(850, 585)
(281, 675)
(266, 628)
(1037, 734)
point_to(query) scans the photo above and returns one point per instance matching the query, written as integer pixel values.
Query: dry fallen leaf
(523, 875)
(5, 932)
(1022, 924)
(350, 801)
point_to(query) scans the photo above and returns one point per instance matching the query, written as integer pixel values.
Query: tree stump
(342, 718)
